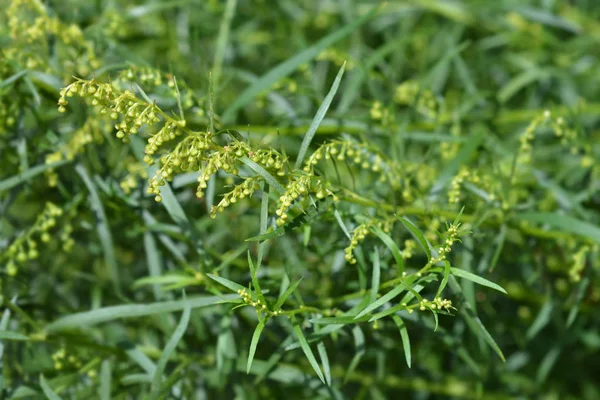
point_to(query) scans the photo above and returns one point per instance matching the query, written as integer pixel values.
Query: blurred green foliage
(479, 112)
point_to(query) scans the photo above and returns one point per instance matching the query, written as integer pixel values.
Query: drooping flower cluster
(25, 247)
(578, 266)
(31, 25)
(361, 232)
(469, 175)
(297, 188)
(241, 191)
(410, 93)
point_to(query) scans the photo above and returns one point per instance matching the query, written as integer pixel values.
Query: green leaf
(345, 320)
(405, 339)
(222, 40)
(254, 342)
(383, 299)
(286, 294)
(547, 363)
(339, 220)
(30, 173)
(154, 261)
(417, 234)
(264, 222)
(375, 279)
(359, 345)
(461, 273)
(563, 222)
(16, 336)
(464, 154)
(166, 353)
(288, 66)
(270, 179)
(444, 282)
(581, 290)
(310, 214)
(102, 227)
(319, 117)
(174, 209)
(389, 242)
(141, 359)
(12, 78)
(106, 314)
(50, 394)
(254, 278)
(325, 361)
(473, 320)
(519, 82)
(234, 287)
(542, 319)
(306, 349)
(105, 379)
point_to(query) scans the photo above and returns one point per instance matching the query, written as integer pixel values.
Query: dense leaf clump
(305, 199)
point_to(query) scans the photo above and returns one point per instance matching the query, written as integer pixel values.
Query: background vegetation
(390, 161)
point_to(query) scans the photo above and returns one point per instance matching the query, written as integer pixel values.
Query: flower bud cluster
(360, 154)
(135, 170)
(223, 158)
(270, 159)
(241, 191)
(9, 110)
(410, 93)
(25, 247)
(257, 304)
(468, 175)
(89, 132)
(337, 57)
(288, 84)
(61, 360)
(29, 24)
(436, 304)
(449, 238)
(153, 79)
(579, 259)
(526, 139)
(360, 233)
(562, 130)
(299, 187)
(409, 248)
(167, 133)
(380, 113)
(131, 112)
(187, 156)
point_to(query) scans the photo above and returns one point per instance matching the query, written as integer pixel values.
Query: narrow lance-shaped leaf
(254, 342)
(111, 313)
(319, 117)
(383, 299)
(48, 392)
(234, 287)
(405, 339)
(447, 270)
(306, 349)
(473, 320)
(477, 279)
(325, 361)
(389, 242)
(359, 345)
(286, 294)
(418, 235)
(288, 66)
(169, 348)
